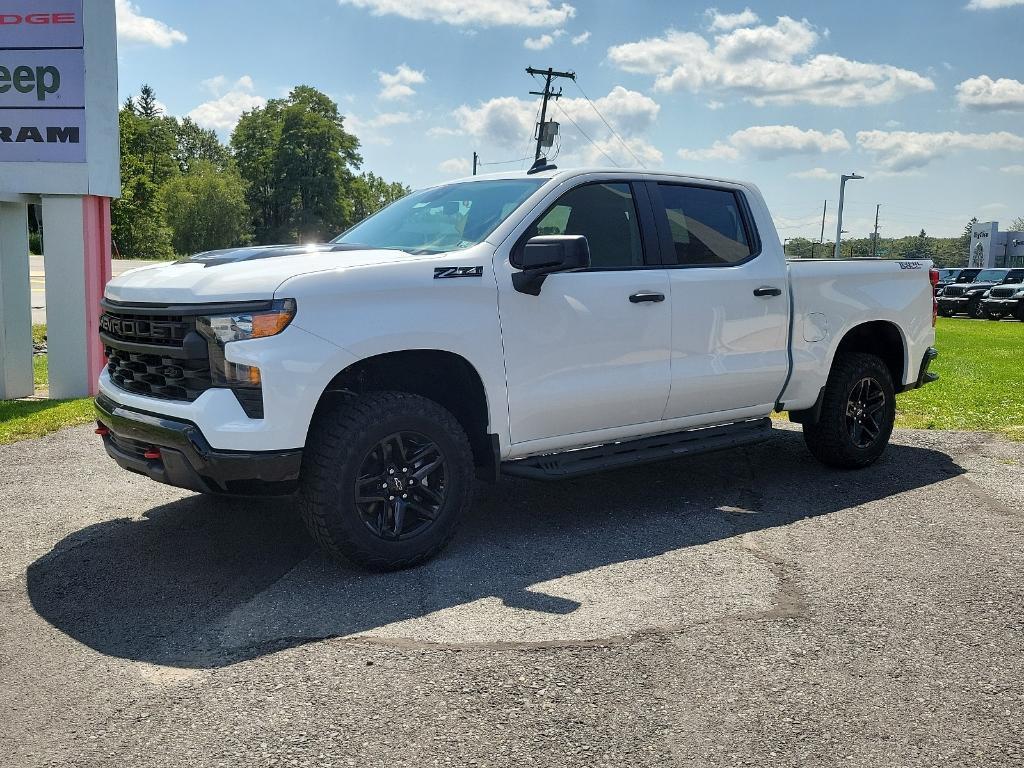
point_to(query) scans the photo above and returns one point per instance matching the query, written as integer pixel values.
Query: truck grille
(155, 355)
(953, 291)
(1004, 293)
(157, 375)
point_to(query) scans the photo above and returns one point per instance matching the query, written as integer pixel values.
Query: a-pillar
(15, 303)
(76, 246)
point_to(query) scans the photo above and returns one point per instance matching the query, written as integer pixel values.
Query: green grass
(980, 386)
(22, 419)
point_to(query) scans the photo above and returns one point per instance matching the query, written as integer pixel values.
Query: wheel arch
(445, 377)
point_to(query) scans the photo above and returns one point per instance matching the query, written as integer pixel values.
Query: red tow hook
(152, 453)
(102, 431)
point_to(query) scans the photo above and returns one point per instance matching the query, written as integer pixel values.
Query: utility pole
(822, 238)
(549, 75)
(839, 223)
(476, 158)
(874, 237)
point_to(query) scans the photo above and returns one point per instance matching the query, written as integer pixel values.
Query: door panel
(729, 345)
(583, 355)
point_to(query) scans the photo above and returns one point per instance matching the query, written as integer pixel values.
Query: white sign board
(58, 97)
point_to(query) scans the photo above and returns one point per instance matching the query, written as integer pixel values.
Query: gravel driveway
(744, 608)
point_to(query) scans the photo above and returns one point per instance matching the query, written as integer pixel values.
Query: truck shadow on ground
(177, 587)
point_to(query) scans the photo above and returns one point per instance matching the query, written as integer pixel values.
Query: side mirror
(543, 255)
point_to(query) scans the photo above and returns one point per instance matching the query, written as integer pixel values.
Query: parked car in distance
(964, 298)
(540, 325)
(949, 276)
(1006, 298)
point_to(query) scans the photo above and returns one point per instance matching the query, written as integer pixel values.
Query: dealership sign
(42, 81)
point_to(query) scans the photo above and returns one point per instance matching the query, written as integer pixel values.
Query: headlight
(985, 294)
(247, 325)
(1019, 294)
(223, 329)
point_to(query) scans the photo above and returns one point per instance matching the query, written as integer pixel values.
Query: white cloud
(223, 112)
(768, 142)
(714, 105)
(815, 173)
(479, 13)
(538, 43)
(509, 121)
(988, 95)
(717, 151)
(398, 84)
(766, 65)
(581, 38)
(133, 27)
(723, 22)
(455, 166)
(987, 5)
(900, 151)
(1016, 169)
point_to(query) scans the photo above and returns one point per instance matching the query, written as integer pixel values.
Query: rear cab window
(704, 226)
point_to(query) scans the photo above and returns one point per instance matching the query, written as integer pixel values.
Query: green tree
(206, 208)
(1017, 225)
(146, 105)
(298, 162)
(198, 144)
(370, 193)
(138, 225)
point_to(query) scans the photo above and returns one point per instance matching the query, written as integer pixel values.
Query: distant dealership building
(991, 247)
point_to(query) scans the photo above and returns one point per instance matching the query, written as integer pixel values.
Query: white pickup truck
(540, 325)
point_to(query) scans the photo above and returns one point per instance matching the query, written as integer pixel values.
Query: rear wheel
(386, 478)
(857, 413)
(975, 310)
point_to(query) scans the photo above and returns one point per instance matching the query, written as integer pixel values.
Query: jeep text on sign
(42, 81)
(42, 78)
(41, 24)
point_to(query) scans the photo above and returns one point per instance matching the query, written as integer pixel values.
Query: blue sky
(923, 97)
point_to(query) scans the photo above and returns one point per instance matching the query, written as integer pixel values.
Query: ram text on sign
(42, 135)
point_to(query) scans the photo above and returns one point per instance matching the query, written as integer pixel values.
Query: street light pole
(838, 254)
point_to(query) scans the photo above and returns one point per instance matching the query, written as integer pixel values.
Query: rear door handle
(767, 290)
(637, 298)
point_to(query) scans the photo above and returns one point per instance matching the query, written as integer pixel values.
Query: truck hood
(240, 274)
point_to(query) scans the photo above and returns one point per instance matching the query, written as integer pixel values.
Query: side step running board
(554, 466)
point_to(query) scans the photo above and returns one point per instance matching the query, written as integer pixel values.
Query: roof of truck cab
(568, 173)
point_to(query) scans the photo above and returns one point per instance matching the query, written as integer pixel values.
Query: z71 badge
(443, 272)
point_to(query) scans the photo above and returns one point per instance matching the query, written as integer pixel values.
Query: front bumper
(175, 452)
(954, 304)
(1001, 306)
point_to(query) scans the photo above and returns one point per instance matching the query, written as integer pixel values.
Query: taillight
(933, 275)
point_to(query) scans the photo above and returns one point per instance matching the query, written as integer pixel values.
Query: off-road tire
(830, 439)
(945, 313)
(342, 435)
(975, 311)
(993, 315)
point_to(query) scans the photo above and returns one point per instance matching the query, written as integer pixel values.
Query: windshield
(1015, 276)
(968, 275)
(946, 274)
(991, 276)
(445, 218)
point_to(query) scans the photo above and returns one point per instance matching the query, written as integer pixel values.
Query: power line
(503, 162)
(608, 125)
(587, 137)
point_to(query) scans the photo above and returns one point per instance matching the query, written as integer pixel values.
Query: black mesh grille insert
(1004, 293)
(158, 375)
(952, 291)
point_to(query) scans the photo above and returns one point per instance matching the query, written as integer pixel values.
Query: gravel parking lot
(744, 608)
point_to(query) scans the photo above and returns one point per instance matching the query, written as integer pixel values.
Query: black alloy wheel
(401, 485)
(975, 310)
(864, 410)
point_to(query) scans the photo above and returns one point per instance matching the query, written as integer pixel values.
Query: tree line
(290, 173)
(944, 251)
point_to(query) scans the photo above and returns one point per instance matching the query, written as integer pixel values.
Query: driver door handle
(637, 298)
(767, 290)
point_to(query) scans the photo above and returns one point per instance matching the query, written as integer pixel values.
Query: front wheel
(857, 413)
(994, 315)
(945, 312)
(386, 478)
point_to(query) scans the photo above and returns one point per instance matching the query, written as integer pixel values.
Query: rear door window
(707, 226)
